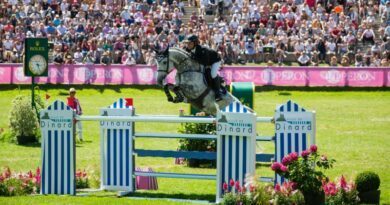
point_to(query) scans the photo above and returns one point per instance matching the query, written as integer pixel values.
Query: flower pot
(314, 198)
(370, 197)
(22, 140)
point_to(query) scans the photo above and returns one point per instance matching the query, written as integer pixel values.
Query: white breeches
(214, 69)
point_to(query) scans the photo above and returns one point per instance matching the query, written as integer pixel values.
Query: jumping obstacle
(235, 151)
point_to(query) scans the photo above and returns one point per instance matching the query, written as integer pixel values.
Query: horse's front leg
(179, 96)
(168, 87)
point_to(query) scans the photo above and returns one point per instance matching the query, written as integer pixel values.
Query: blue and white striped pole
(116, 143)
(293, 126)
(58, 150)
(236, 148)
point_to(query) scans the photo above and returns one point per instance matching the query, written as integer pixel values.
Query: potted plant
(302, 172)
(367, 184)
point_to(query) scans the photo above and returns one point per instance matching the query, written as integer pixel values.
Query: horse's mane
(180, 50)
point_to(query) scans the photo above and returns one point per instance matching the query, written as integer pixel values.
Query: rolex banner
(36, 57)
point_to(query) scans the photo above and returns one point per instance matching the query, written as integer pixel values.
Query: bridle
(167, 67)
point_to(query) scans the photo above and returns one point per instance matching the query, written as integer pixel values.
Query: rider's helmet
(192, 38)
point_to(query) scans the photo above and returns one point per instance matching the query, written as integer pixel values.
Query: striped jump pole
(58, 150)
(294, 131)
(236, 146)
(116, 146)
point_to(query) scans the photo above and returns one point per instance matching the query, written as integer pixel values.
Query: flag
(129, 102)
(47, 96)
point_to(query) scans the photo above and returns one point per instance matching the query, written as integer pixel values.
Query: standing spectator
(74, 103)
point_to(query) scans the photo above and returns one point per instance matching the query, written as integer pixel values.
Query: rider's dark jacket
(205, 55)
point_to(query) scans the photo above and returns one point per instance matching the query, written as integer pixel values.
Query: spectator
(304, 59)
(106, 59)
(58, 57)
(333, 61)
(345, 61)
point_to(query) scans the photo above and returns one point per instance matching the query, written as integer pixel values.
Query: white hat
(72, 90)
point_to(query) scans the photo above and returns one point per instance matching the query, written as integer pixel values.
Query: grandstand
(287, 32)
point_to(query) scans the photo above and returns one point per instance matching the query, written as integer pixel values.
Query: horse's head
(164, 65)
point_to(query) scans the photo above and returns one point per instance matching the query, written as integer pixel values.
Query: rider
(208, 58)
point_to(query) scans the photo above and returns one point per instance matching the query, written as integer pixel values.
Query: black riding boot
(216, 86)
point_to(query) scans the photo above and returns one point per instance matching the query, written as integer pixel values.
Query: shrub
(81, 179)
(341, 192)
(239, 196)
(23, 121)
(20, 183)
(367, 181)
(197, 144)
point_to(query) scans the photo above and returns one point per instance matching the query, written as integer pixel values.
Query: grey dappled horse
(190, 81)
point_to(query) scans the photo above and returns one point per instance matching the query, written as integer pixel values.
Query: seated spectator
(58, 57)
(106, 58)
(368, 35)
(127, 59)
(304, 59)
(345, 61)
(333, 61)
(359, 60)
(89, 59)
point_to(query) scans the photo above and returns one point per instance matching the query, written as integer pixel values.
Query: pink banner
(146, 75)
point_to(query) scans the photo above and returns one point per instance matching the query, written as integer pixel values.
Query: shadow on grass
(180, 196)
(32, 145)
(285, 93)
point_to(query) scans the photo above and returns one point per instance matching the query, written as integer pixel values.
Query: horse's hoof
(200, 114)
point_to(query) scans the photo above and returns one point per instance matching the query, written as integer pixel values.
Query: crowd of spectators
(309, 32)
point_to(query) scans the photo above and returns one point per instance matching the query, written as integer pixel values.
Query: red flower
(313, 148)
(38, 172)
(283, 168)
(305, 153)
(294, 156)
(293, 185)
(243, 189)
(343, 183)
(276, 166)
(30, 175)
(231, 183)
(286, 160)
(225, 186)
(277, 187)
(237, 185)
(7, 173)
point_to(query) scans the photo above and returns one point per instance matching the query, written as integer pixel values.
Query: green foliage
(7, 136)
(301, 170)
(197, 144)
(234, 199)
(343, 198)
(367, 181)
(294, 197)
(19, 184)
(82, 179)
(23, 121)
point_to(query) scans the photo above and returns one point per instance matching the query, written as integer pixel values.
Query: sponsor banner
(237, 124)
(146, 75)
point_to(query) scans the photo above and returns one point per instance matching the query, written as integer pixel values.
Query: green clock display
(37, 65)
